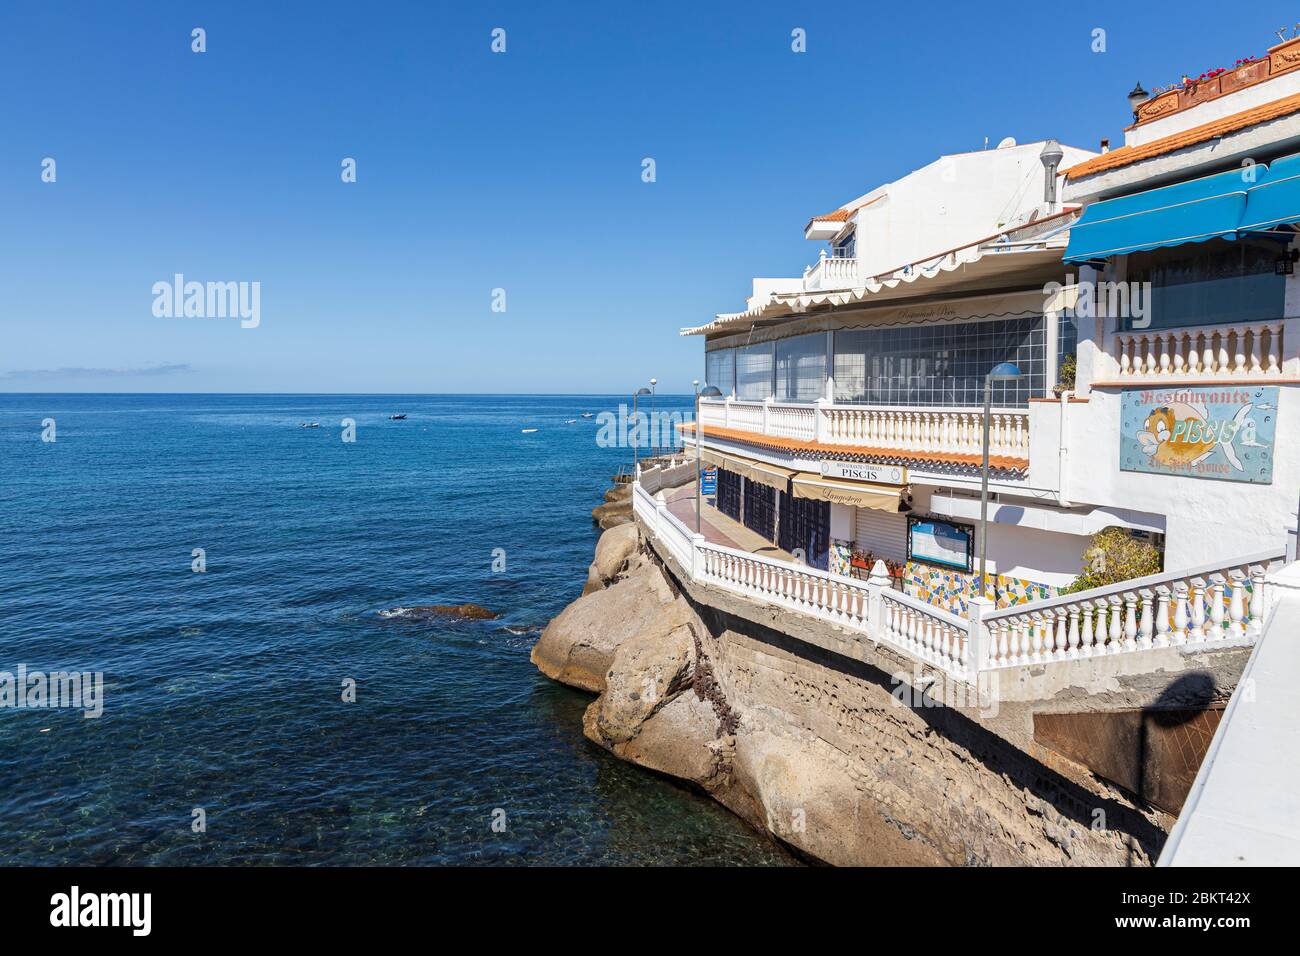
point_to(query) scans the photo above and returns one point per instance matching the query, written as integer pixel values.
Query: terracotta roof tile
(839, 215)
(1188, 137)
(879, 455)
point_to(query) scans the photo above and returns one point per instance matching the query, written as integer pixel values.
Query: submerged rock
(469, 612)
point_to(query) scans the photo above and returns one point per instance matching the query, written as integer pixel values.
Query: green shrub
(1065, 374)
(1115, 556)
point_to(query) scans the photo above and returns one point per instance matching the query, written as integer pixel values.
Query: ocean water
(224, 689)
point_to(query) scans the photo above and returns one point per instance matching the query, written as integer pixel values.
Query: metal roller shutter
(882, 533)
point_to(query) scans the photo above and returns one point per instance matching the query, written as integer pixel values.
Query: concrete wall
(955, 200)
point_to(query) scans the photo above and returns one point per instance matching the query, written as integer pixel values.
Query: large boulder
(578, 646)
(613, 549)
(648, 670)
(680, 738)
(619, 492)
(612, 513)
(807, 799)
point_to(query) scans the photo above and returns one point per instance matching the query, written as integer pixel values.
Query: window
(1067, 336)
(846, 247)
(801, 368)
(754, 372)
(940, 364)
(720, 370)
(1210, 283)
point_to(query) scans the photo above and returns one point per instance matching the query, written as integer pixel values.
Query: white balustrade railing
(926, 631)
(1223, 604)
(831, 272)
(797, 587)
(713, 414)
(1246, 350)
(792, 421)
(1199, 606)
(745, 416)
(951, 431)
(954, 431)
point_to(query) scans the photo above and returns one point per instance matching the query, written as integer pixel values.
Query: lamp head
(1137, 97)
(642, 391)
(1004, 372)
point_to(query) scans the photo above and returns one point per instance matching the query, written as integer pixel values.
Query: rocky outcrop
(818, 750)
(613, 513)
(577, 648)
(620, 492)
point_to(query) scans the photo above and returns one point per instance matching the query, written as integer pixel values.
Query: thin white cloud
(46, 374)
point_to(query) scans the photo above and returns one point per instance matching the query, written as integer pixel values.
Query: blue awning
(1274, 199)
(1193, 211)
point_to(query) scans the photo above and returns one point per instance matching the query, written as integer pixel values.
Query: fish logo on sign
(1201, 432)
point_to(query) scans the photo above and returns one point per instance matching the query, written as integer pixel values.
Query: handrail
(1134, 616)
(1135, 584)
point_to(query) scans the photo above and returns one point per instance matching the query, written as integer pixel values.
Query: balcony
(1248, 351)
(830, 272)
(942, 436)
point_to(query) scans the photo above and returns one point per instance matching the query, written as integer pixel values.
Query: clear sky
(476, 170)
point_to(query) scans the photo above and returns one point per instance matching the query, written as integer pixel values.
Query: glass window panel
(938, 364)
(754, 372)
(801, 368)
(720, 369)
(1211, 283)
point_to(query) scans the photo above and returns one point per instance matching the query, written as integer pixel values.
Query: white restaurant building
(852, 418)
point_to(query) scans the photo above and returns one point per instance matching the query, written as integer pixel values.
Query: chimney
(1105, 145)
(1050, 158)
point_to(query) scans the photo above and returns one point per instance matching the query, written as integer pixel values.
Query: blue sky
(477, 171)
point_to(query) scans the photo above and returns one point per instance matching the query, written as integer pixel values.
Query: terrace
(1136, 626)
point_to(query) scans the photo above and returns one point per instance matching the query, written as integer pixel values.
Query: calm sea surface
(223, 689)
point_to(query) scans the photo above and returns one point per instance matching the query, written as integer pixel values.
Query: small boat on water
(588, 414)
(570, 421)
(309, 424)
(397, 418)
(527, 431)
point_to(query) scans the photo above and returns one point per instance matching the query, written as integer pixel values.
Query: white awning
(860, 494)
(945, 274)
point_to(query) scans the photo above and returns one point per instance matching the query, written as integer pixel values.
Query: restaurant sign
(854, 471)
(1216, 431)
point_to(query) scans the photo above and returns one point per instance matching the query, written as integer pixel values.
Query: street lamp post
(654, 429)
(639, 391)
(1002, 372)
(708, 391)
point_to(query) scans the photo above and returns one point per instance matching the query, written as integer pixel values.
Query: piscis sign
(1219, 431)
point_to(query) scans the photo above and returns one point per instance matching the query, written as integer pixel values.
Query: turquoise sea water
(224, 689)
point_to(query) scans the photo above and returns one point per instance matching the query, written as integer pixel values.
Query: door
(729, 493)
(806, 526)
(760, 509)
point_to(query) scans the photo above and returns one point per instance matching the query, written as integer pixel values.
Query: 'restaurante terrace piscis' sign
(1216, 431)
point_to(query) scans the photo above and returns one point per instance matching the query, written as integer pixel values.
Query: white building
(852, 418)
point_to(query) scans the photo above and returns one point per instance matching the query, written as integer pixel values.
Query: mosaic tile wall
(952, 590)
(839, 559)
